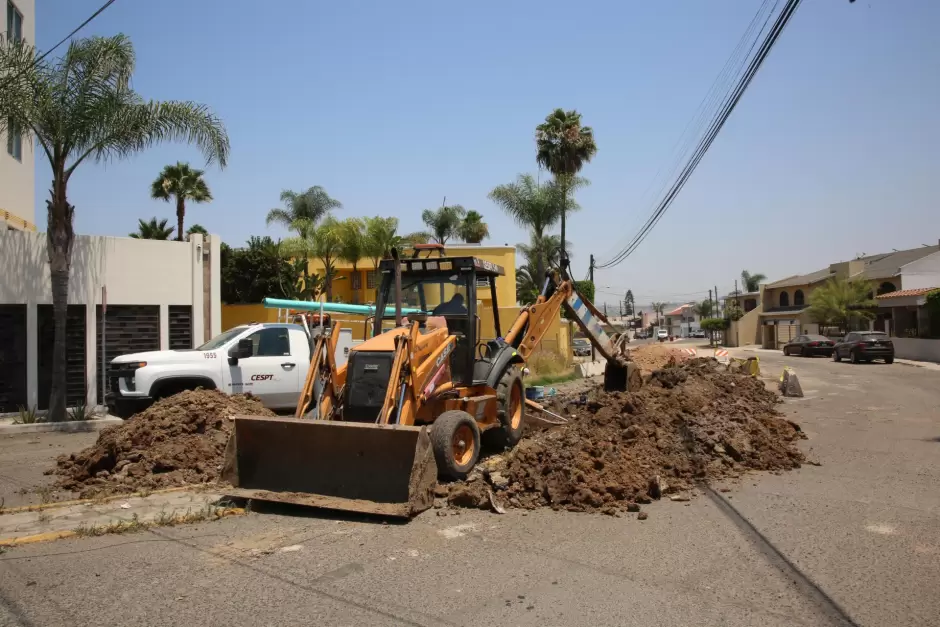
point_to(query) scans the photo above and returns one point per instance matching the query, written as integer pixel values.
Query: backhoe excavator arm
(533, 322)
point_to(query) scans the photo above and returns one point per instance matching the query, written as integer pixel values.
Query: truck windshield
(221, 340)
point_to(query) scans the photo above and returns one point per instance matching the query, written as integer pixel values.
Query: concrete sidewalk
(36, 523)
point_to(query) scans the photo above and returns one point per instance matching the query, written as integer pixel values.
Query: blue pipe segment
(344, 308)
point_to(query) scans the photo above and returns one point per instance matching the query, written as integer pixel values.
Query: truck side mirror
(243, 349)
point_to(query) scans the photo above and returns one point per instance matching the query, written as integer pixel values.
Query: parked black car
(865, 346)
(809, 345)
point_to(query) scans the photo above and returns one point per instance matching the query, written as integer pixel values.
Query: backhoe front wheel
(455, 440)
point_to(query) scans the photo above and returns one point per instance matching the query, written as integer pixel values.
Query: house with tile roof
(782, 311)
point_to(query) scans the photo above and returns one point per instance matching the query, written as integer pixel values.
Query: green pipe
(345, 308)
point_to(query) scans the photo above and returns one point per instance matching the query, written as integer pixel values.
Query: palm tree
(527, 288)
(182, 183)
(196, 229)
(325, 245)
(381, 236)
(444, 222)
(752, 281)
(301, 214)
(563, 146)
(81, 107)
(841, 302)
(658, 309)
(352, 244)
(704, 309)
(547, 249)
(534, 206)
(152, 230)
(473, 229)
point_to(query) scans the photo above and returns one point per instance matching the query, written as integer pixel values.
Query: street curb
(107, 499)
(78, 426)
(48, 536)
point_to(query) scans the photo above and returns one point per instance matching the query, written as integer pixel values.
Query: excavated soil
(177, 441)
(650, 357)
(691, 422)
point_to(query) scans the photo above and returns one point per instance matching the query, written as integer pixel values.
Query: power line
(62, 41)
(730, 103)
(721, 84)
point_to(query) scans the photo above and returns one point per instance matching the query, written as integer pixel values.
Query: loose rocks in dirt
(692, 422)
(178, 441)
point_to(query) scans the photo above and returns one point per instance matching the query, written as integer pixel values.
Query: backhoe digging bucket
(624, 377)
(387, 470)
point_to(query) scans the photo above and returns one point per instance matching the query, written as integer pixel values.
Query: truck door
(271, 373)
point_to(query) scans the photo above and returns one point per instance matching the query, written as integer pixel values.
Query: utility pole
(717, 304)
(591, 275)
(710, 336)
(736, 342)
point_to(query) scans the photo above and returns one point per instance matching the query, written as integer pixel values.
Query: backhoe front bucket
(387, 470)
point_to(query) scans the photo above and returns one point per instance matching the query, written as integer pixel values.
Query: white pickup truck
(268, 360)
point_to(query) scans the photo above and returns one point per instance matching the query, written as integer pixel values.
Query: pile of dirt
(650, 357)
(691, 422)
(177, 441)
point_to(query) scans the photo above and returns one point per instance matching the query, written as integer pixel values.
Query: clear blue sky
(393, 105)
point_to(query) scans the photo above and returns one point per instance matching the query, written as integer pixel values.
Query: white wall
(136, 272)
(17, 178)
(916, 348)
(925, 272)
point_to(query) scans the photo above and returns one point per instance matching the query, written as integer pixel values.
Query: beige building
(782, 306)
(17, 158)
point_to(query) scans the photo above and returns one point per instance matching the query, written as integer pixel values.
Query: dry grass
(544, 363)
(163, 519)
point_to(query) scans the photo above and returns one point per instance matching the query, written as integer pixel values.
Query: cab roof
(435, 265)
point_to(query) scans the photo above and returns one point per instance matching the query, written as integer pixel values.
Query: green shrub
(28, 416)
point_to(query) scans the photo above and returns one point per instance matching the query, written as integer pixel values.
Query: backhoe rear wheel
(455, 440)
(510, 396)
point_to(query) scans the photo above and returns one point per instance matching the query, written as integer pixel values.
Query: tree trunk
(564, 210)
(328, 278)
(59, 238)
(180, 212)
(306, 274)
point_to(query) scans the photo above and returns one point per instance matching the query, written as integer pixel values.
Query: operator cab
(447, 288)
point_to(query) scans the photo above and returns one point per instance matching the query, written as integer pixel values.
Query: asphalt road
(853, 541)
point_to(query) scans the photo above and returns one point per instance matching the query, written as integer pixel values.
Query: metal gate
(12, 357)
(75, 362)
(181, 326)
(130, 329)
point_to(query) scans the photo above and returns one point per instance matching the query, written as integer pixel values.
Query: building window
(784, 299)
(749, 304)
(370, 279)
(14, 141)
(356, 280)
(14, 23)
(798, 298)
(886, 288)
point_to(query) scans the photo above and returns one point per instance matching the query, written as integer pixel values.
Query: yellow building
(359, 287)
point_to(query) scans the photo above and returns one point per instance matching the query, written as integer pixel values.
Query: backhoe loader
(414, 402)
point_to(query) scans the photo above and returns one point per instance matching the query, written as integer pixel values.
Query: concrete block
(591, 368)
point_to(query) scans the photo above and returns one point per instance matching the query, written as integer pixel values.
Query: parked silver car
(581, 347)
